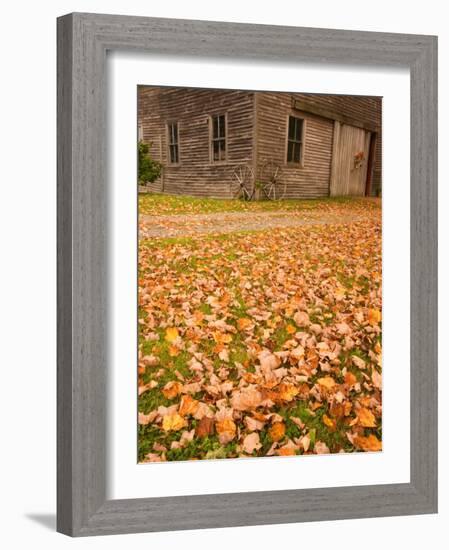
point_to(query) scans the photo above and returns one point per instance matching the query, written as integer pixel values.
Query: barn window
(173, 142)
(295, 139)
(218, 138)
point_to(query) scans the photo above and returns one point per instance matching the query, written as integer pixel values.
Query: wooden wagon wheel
(242, 186)
(273, 185)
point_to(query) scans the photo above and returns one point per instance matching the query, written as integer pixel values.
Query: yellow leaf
(370, 443)
(188, 405)
(290, 329)
(226, 430)
(172, 389)
(350, 379)
(366, 418)
(286, 451)
(329, 422)
(173, 422)
(277, 431)
(327, 382)
(221, 338)
(287, 391)
(174, 351)
(374, 316)
(171, 334)
(244, 323)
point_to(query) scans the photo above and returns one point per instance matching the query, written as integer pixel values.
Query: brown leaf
(251, 443)
(252, 424)
(145, 419)
(377, 379)
(246, 399)
(358, 362)
(320, 448)
(305, 442)
(205, 427)
(146, 387)
(301, 318)
(297, 421)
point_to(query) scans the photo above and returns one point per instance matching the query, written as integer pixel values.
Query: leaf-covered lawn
(261, 343)
(157, 205)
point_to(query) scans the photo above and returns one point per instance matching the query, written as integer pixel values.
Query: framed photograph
(247, 279)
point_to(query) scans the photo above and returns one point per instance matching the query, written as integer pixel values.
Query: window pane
(298, 135)
(222, 143)
(221, 126)
(176, 153)
(291, 127)
(214, 127)
(290, 152)
(218, 137)
(296, 152)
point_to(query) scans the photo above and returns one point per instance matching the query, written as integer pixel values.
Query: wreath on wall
(359, 159)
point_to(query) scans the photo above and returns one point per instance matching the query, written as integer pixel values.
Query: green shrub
(149, 169)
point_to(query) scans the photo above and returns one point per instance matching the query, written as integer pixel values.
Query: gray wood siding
(256, 132)
(363, 108)
(349, 177)
(312, 178)
(196, 174)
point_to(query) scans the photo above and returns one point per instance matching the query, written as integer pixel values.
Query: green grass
(156, 204)
(180, 259)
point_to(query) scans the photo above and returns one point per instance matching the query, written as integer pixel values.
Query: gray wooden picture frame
(83, 40)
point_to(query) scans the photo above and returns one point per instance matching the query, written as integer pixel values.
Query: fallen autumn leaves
(262, 343)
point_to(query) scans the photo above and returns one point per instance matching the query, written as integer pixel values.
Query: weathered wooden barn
(324, 145)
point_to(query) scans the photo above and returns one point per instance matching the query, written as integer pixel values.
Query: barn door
(349, 160)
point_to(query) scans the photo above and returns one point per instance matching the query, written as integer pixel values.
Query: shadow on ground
(46, 520)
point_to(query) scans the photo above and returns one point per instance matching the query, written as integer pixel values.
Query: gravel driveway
(229, 222)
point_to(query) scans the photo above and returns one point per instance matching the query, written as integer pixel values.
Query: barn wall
(312, 179)
(251, 138)
(196, 175)
(367, 109)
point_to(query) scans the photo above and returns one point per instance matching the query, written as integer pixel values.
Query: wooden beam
(370, 167)
(335, 160)
(301, 105)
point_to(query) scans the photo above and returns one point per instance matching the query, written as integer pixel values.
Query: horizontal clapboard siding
(191, 108)
(256, 132)
(312, 178)
(367, 109)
